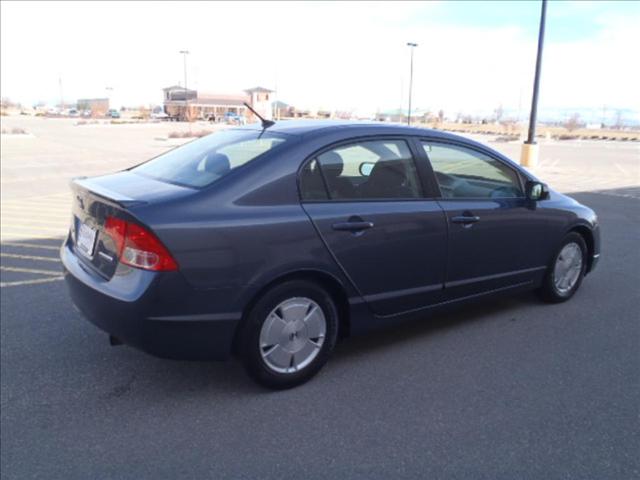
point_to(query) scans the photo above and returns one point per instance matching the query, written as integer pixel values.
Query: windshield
(203, 161)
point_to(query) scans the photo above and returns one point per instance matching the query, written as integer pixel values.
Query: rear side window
(465, 173)
(312, 185)
(203, 161)
(367, 170)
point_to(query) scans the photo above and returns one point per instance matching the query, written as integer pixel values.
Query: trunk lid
(95, 199)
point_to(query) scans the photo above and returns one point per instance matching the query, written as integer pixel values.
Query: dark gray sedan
(274, 242)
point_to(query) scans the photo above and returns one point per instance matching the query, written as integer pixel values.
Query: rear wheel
(565, 274)
(289, 334)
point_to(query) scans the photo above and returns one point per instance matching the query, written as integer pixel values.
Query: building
(97, 106)
(201, 105)
(260, 99)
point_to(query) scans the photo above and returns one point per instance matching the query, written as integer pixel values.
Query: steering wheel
(503, 192)
(448, 184)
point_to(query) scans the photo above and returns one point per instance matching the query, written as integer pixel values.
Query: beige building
(260, 99)
(201, 105)
(97, 106)
(189, 104)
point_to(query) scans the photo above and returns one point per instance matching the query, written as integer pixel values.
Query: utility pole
(186, 92)
(412, 46)
(61, 97)
(529, 157)
(109, 91)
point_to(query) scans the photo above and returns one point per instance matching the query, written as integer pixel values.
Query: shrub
(18, 131)
(187, 134)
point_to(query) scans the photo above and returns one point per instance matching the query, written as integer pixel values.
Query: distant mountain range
(591, 115)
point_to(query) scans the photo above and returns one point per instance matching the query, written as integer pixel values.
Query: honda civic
(272, 241)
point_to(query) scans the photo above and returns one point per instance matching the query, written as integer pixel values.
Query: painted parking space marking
(29, 257)
(29, 228)
(30, 245)
(30, 270)
(30, 282)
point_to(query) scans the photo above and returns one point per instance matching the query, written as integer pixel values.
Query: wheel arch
(329, 282)
(586, 233)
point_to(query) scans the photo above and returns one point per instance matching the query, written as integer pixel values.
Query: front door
(496, 237)
(367, 202)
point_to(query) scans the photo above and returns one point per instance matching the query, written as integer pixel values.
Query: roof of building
(258, 90)
(215, 99)
(176, 87)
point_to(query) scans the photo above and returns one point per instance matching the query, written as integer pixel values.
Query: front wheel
(565, 274)
(289, 334)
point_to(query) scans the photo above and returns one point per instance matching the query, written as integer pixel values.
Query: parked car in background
(272, 243)
(233, 118)
(158, 113)
(113, 113)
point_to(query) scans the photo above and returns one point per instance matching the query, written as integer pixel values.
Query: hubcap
(292, 335)
(567, 268)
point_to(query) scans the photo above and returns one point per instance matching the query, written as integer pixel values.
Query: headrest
(332, 164)
(217, 163)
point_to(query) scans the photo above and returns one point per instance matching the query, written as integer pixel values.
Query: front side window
(367, 170)
(465, 173)
(203, 161)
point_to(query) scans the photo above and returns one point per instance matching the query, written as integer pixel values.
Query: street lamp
(411, 45)
(186, 93)
(109, 91)
(529, 157)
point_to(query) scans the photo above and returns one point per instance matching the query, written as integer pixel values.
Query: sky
(471, 56)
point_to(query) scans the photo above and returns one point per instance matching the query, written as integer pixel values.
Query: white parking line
(620, 169)
(29, 245)
(30, 282)
(30, 270)
(31, 228)
(4, 236)
(29, 257)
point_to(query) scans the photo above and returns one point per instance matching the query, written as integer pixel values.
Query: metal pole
(531, 139)
(411, 45)
(186, 92)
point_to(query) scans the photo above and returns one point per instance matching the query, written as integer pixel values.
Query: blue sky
(472, 56)
(566, 20)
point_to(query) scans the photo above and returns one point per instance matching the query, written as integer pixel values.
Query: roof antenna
(265, 123)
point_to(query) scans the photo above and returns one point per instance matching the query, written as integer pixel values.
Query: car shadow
(434, 322)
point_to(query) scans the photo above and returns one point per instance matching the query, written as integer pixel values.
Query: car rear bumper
(158, 313)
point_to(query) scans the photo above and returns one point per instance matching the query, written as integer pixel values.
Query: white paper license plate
(86, 239)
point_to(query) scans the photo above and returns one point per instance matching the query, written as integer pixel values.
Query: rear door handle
(465, 219)
(352, 226)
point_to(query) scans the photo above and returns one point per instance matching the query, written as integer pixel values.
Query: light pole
(109, 91)
(186, 93)
(529, 157)
(411, 45)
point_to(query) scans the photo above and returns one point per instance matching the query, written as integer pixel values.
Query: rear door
(496, 236)
(367, 202)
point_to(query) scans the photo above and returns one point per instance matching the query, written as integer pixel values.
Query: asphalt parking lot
(512, 388)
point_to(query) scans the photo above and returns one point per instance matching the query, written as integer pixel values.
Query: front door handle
(352, 226)
(465, 219)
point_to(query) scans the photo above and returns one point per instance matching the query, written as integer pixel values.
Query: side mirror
(366, 168)
(537, 191)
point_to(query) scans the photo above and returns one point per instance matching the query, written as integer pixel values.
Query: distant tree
(6, 102)
(619, 121)
(441, 115)
(499, 112)
(573, 122)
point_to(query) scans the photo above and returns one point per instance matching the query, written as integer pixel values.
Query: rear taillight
(138, 247)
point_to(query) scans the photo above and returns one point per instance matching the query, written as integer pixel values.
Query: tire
(286, 322)
(553, 289)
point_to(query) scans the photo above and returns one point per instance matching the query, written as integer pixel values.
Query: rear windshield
(203, 161)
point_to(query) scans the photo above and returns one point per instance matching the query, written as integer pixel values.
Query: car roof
(309, 128)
